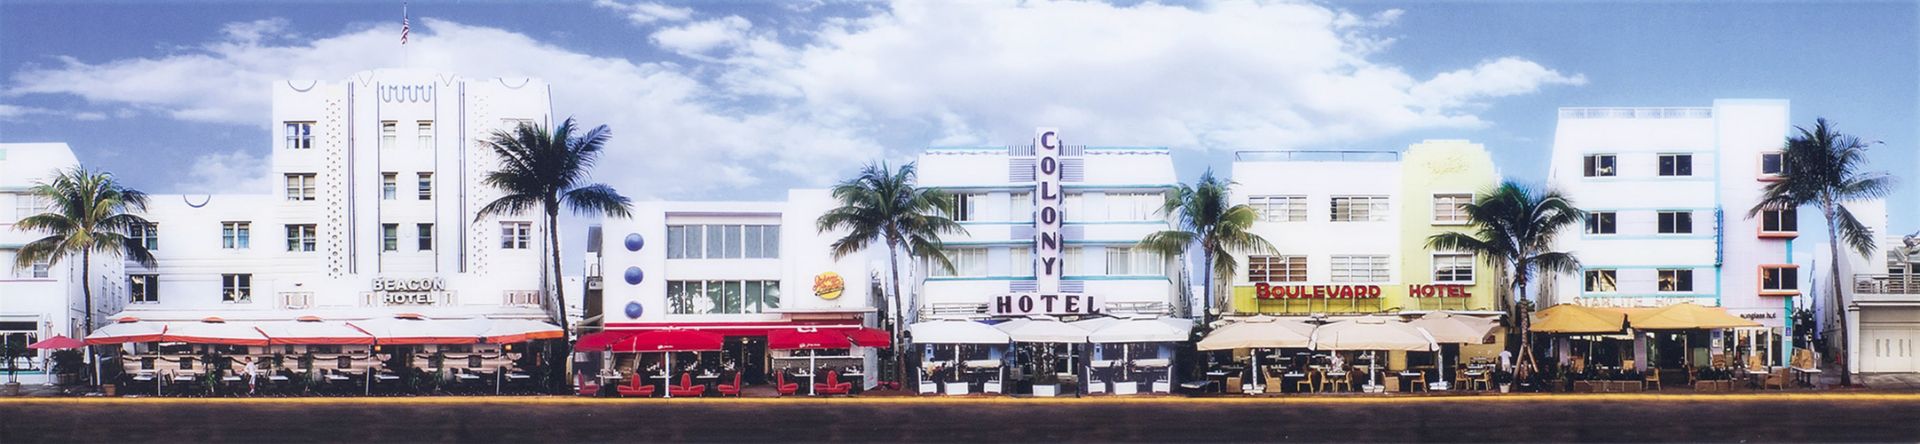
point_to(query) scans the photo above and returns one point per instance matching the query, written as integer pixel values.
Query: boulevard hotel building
(371, 221)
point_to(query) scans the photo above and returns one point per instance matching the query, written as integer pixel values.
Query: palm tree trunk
(1838, 308)
(899, 316)
(1206, 305)
(557, 371)
(86, 297)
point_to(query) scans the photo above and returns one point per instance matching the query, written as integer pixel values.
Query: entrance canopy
(1372, 333)
(1044, 331)
(1259, 332)
(956, 332)
(870, 337)
(807, 339)
(1143, 330)
(1686, 316)
(669, 340)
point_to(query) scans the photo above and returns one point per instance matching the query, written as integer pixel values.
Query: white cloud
(257, 30)
(694, 39)
(645, 13)
(20, 112)
(230, 172)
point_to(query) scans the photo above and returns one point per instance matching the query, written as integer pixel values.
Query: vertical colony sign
(1048, 219)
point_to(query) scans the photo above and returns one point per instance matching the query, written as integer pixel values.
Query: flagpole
(406, 55)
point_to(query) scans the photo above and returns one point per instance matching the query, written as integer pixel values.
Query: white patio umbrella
(1449, 328)
(1143, 331)
(1372, 334)
(1259, 332)
(955, 332)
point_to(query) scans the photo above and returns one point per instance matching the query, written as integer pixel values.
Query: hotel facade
(44, 300)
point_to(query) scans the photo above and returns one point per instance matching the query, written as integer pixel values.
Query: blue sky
(172, 95)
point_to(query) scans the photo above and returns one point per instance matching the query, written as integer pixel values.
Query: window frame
(1780, 162)
(423, 133)
(1790, 273)
(1463, 219)
(1280, 207)
(1277, 268)
(423, 237)
(146, 235)
(516, 235)
(1681, 164)
(389, 238)
(1379, 268)
(1455, 276)
(300, 187)
(1787, 218)
(1672, 222)
(236, 235)
(236, 288)
(1360, 204)
(1600, 165)
(1674, 280)
(425, 183)
(389, 133)
(143, 288)
(1589, 280)
(966, 207)
(389, 186)
(1602, 223)
(303, 140)
(302, 238)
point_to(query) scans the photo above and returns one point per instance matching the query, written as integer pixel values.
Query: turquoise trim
(988, 242)
(1590, 210)
(1118, 222)
(1651, 179)
(1125, 148)
(1006, 186)
(991, 222)
(979, 278)
(1600, 237)
(1715, 296)
(1101, 241)
(966, 149)
(1118, 186)
(1584, 268)
(1115, 278)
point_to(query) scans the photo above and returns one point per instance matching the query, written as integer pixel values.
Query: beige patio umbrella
(1372, 333)
(1257, 333)
(1449, 328)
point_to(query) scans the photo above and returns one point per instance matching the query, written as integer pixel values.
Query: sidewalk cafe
(1675, 344)
(690, 362)
(1364, 353)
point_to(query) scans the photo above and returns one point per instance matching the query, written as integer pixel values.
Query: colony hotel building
(1350, 230)
(1667, 191)
(374, 215)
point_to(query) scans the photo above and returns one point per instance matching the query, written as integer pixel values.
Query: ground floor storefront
(690, 359)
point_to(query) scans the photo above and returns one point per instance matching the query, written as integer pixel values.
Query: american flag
(404, 27)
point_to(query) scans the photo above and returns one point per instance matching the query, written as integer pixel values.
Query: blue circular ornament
(634, 276)
(634, 242)
(634, 310)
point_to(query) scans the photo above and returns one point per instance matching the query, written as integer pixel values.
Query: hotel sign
(1047, 304)
(1422, 291)
(1358, 291)
(416, 291)
(1047, 201)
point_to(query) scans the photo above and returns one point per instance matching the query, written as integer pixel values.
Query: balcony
(1866, 285)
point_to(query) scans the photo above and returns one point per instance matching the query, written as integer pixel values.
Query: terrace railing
(1886, 284)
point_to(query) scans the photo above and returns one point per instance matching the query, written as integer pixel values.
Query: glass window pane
(771, 238)
(751, 297)
(755, 248)
(770, 298)
(715, 302)
(716, 237)
(732, 295)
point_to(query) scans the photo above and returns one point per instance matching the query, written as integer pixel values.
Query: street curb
(564, 400)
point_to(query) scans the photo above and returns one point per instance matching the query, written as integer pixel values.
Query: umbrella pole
(813, 367)
(666, 378)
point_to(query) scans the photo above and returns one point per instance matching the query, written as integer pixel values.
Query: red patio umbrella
(871, 337)
(669, 340)
(57, 342)
(807, 338)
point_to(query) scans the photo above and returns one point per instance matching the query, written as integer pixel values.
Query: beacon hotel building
(1667, 191)
(1350, 230)
(370, 232)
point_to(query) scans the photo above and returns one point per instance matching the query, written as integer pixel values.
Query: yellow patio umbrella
(1575, 319)
(1687, 316)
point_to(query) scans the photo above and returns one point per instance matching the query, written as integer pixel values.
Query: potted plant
(1503, 379)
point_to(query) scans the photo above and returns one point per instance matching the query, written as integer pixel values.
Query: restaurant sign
(415, 291)
(1356, 291)
(1022, 304)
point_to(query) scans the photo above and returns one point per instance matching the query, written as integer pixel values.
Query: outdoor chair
(730, 389)
(686, 387)
(782, 387)
(1337, 379)
(1485, 380)
(1460, 377)
(833, 386)
(1779, 378)
(588, 386)
(638, 389)
(1305, 384)
(1419, 381)
(1652, 380)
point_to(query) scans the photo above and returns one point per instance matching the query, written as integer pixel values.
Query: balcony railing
(1886, 284)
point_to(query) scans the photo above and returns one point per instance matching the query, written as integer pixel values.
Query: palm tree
(1203, 218)
(89, 212)
(546, 170)
(883, 205)
(1514, 227)
(1821, 168)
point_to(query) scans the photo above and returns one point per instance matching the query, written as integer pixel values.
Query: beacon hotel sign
(1048, 196)
(413, 291)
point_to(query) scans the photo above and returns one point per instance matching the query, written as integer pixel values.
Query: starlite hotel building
(373, 218)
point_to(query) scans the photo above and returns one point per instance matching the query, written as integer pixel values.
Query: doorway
(749, 355)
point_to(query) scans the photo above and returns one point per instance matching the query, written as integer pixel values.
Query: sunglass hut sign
(1047, 242)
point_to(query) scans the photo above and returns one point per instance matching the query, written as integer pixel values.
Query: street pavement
(1852, 417)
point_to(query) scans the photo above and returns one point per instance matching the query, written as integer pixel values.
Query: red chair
(686, 387)
(833, 386)
(588, 387)
(783, 387)
(636, 389)
(730, 389)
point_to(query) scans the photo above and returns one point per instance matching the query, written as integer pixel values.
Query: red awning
(871, 337)
(807, 339)
(57, 342)
(669, 340)
(599, 341)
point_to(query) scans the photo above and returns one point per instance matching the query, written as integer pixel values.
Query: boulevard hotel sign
(1048, 196)
(1355, 291)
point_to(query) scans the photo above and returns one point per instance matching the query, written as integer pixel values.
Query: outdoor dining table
(708, 379)
(1805, 376)
(1219, 377)
(1407, 378)
(1756, 377)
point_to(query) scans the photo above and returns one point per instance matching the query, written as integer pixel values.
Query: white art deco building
(43, 300)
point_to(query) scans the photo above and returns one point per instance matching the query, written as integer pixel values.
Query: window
(1359, 208)
(1022, 208)
(426, 186)
(967, 262)
(1451, 208)
(1133, 206)
(1071, 259)
(515, 235)
(235, 235)
(424, 238)
(299, 135)
(146, 235)
(723, 241)
(1773, 164)
(1360, 268)
(1600, 165)
(425, 134)
(389, 237)
(389, 186)
(1021, 259)
(28, 205)
(300, 187)
(1453, 268)
(1602, 281)
(1280, 208)
(1680, 281)
(42, 269)
(1674, 165)
(236, 288)
(1676, 222)
(1277, 269)
(1779, 221)
(389, 132)
(1601, 222)
(145, 288)
(1126, 261)
(966, 206)
(301, 237)
(1779, 279)
(722, 297)
(1070, 206)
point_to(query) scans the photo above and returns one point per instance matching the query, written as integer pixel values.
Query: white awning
(1047, 331)
(956, 332)
(1259, 332)
(313, 332)
(1143, 330)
